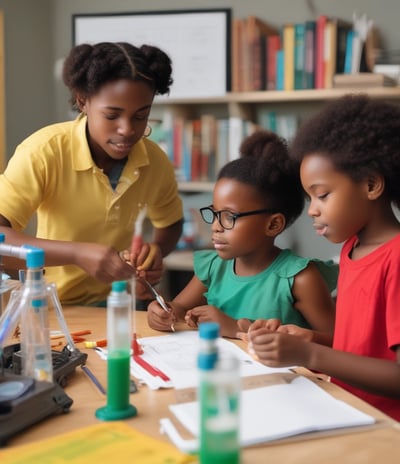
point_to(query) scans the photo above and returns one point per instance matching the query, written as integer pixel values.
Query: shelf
(247, 106)
(195, 187)
(282, 96)
(179, 261)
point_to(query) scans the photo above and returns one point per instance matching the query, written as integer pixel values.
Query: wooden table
(380, 444)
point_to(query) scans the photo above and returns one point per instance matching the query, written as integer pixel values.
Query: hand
(101, 262)
(245, 325)
(276, 349)
(270, 324)
(148, 264)
(292, 329)
(148, 257)
(158, 319)
(207, 313)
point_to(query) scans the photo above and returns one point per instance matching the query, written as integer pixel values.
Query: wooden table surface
(372, 445)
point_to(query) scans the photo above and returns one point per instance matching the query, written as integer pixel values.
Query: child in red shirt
(349, 156)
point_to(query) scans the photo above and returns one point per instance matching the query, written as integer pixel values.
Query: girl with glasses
(247, 276)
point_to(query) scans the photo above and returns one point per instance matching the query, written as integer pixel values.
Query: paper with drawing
(176, 356)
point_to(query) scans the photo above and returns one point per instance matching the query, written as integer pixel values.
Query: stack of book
(296, 56)
(199, 147)
(362, 80)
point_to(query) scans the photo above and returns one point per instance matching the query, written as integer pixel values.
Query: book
(299, 55)
(371, 49)
(222, 149)
(236, 55)
(309, 55)
(272, 48)
(319, 52)
(255, 40)
(178, 124)
(236, 133)
(208, 143)
(330, 51)
(348, 59)
(280, 70)
(288, 56)
(187, 142)
(362, 80)
(342, 29)
(99, 443)
(196, 150)
(283, 410)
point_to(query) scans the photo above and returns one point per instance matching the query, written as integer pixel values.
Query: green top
(265, 295)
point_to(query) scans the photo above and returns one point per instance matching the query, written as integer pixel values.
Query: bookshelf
(279, 96)
(246, 105)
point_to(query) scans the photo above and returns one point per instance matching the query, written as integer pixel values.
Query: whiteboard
(198, 43)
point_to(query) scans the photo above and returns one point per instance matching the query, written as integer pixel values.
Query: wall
(385, 14)
(38, 35)
(29, 83)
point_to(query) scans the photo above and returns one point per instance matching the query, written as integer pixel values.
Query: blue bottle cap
(34, 257)
(207, 361)
(209, 330)
(119, 286)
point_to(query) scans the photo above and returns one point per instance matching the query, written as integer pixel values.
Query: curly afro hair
(88, 67)
(360, 136)
(265, 164)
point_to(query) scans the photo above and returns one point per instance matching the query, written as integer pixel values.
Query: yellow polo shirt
(52, 172)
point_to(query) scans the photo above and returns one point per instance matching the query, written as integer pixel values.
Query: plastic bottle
(35, 330)
(219, 392)
(119, 339)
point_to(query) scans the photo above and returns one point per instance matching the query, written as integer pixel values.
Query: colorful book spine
(330, 41)
(309, 55)
(349, 52)
(319, 52)
(299, 55)
(288, 48)
(273, 46)
(280, 70)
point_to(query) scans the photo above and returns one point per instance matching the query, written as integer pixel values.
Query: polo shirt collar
(80, 153)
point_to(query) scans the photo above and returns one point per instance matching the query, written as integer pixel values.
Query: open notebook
(279, 411)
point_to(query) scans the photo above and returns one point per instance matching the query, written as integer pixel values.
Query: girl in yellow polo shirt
(87, 178)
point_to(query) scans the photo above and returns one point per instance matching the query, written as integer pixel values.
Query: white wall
(38, 34)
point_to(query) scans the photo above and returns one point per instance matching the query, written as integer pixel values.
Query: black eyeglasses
(226, 218)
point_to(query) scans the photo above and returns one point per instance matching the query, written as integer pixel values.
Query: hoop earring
(147, 132)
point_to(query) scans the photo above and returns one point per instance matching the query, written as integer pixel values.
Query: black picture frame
(197, 41)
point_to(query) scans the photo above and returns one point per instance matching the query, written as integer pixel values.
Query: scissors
(159, 298)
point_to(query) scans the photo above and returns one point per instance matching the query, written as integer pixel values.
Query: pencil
(94, 379)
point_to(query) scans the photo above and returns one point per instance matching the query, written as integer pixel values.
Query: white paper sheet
(176, 356)
(283, 410)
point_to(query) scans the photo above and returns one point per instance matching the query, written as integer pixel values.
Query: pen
(154, 371)
(137, 239)
(160, 299)
(136, 245)
(94, 379)
(94, 344)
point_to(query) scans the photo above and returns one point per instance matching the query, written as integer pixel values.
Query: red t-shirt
(368, 311)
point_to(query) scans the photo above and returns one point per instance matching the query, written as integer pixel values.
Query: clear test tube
(119, 339)
(36, 358)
